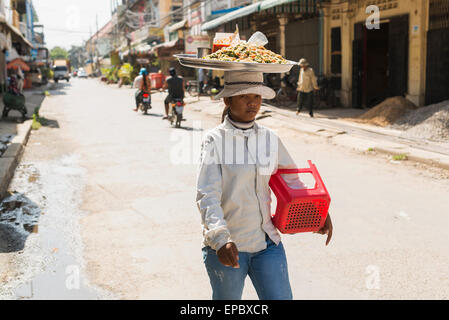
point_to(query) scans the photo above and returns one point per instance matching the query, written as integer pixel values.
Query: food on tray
(246, 52)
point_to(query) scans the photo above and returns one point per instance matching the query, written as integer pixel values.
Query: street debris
(402, 215)
(400, 157)
(4, 141)
(430, 122)
(20, 212)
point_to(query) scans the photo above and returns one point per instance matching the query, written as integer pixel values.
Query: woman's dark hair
(144, 81)
(226, 110)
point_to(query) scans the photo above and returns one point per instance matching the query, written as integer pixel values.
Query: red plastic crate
(299, 210)
(157, 80)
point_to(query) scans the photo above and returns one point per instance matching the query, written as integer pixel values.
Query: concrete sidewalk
(16, 133)
(333, 124)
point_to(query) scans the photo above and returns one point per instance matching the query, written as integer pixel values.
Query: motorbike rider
(143, 83)
(176, 89)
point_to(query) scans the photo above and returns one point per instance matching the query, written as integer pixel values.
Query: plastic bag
(258, 39)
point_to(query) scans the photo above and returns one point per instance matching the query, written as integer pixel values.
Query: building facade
(383, 48)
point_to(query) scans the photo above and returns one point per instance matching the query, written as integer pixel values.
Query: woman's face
(244, 108)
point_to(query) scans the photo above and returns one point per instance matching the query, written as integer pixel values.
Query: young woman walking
(233, 196)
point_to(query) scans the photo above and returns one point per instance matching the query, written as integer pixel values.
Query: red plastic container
(299, 210)
(157, 80)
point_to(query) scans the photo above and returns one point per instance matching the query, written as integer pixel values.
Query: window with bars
(438, 14)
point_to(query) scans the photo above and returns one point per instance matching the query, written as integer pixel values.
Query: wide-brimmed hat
(303, 62)
(240, 82)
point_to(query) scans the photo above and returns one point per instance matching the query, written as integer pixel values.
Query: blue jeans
(267, 269)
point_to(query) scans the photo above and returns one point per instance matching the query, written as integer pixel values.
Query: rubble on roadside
(430, 122)
(387, 112)
(19, 211)
(4, 141)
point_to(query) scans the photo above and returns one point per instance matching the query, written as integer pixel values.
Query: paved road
(118, 204)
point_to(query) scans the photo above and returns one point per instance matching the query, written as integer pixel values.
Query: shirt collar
(228, 125)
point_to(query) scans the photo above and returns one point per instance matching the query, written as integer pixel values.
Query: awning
(16, 63)
(267, 4)
(15, 31)
(168, 44)
(242, 12)
(290, 6)
(142, 48)
(302, 5)
(177, 26)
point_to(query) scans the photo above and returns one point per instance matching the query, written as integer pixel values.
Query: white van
(61, 73)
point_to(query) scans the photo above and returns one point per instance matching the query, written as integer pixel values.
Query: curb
(12, 156)
(362, 144)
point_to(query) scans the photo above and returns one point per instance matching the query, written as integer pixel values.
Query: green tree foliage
(58, 53)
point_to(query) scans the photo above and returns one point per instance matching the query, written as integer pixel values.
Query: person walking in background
(307, 82)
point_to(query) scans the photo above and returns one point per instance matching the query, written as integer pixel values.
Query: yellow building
(378, 48)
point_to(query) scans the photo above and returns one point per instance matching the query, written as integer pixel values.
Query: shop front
(165, 52)
(377, 49)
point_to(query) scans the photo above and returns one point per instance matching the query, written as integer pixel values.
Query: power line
(65, 30)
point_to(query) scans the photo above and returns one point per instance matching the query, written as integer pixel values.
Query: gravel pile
(387, 112)
(430, 122)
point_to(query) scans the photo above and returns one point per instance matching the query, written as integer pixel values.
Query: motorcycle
(175, 114)
(287, 91)
(192, 87)
(208, 88)
(145, 103)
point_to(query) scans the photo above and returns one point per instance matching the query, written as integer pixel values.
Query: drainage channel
(41, 233)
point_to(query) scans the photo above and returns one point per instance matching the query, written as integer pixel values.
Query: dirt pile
(387, 112)
(430, 122)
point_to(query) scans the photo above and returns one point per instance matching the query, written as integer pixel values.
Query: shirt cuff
(220, 241)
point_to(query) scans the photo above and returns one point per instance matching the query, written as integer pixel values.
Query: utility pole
(90, 48)
(96, 43)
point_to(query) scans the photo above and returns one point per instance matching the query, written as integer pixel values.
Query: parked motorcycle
(287, 91)
(145, 104)
(175, 114)
(192, 87)
(209, 88)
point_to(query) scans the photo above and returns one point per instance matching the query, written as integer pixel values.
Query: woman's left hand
(327, 229)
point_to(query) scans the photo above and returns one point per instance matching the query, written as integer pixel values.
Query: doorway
(380, 62)
(375, 81)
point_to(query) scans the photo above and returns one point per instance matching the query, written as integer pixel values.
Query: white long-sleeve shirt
(138, 82)
(233, 195)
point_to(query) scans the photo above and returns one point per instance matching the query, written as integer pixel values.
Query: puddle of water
(49, 264)
(61, 282)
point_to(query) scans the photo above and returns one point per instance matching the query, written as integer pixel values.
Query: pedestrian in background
(307, 83)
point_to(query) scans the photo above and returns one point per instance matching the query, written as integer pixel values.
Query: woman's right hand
(229, 255)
